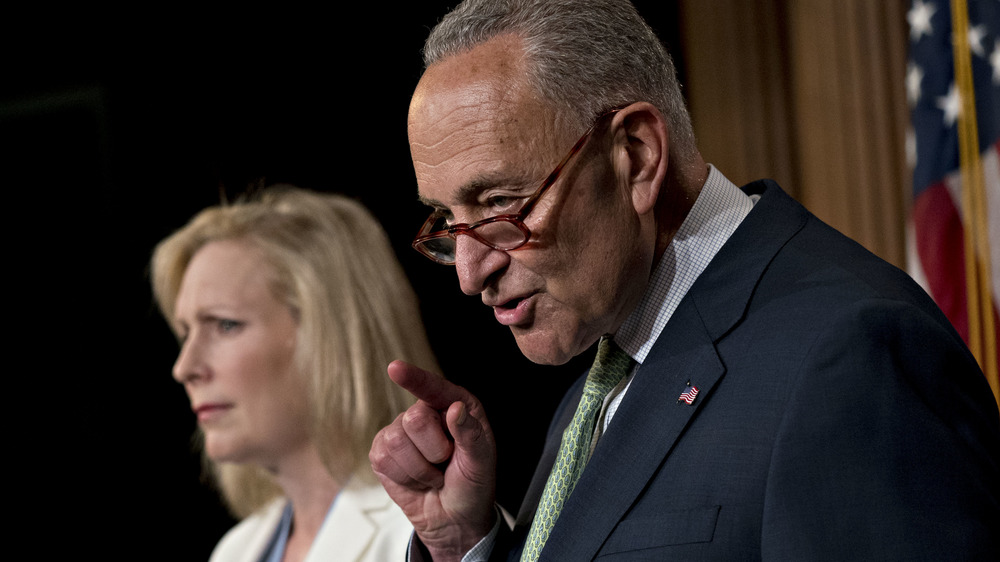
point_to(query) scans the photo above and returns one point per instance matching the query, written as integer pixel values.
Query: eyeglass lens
(500, 234)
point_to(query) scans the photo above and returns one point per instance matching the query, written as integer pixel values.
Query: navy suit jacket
(839, 417)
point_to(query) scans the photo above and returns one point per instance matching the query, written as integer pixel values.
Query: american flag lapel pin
(689, 394)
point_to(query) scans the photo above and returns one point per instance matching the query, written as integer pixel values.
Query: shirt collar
(715, 215)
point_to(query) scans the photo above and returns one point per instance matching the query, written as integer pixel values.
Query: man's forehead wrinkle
(456, 98)
(462, 135)
(481, 135)
(443, 118)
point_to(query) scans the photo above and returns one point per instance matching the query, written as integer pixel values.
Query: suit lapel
(650, 419)
(647, 424)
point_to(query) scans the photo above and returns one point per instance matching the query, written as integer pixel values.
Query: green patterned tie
(610, 367)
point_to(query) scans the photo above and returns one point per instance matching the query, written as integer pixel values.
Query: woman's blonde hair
(356, 313)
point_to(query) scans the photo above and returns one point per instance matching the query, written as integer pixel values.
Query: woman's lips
(210, 412)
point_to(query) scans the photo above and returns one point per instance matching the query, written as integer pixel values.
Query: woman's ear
(641, 131)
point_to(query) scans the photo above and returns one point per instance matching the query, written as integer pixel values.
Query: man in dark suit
(768, 388)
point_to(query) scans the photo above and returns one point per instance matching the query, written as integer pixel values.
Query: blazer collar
(352, 522)
(650, 418)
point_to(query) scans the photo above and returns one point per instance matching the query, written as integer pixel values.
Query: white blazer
(363, 526)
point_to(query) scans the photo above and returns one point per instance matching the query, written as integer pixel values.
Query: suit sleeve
(889, 448)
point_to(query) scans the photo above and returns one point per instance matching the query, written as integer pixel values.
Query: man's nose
(477, 264)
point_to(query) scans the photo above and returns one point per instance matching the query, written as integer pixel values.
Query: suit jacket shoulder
(839, 416)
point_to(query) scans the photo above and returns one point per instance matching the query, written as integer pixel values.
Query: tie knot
(609, 368)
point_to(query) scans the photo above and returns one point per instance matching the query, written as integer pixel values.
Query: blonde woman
(288, 308)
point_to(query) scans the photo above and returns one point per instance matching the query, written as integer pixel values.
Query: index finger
(438, 392)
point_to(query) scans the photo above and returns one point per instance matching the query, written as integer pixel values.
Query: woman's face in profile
(236, 359)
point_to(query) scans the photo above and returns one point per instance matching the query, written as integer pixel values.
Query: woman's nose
(190, 365)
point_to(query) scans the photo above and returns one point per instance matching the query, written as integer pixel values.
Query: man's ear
(642, 145)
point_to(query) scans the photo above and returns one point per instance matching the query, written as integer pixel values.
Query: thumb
(471, 431)
(470, 480)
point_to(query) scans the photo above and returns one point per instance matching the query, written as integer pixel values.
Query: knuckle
(420, 418)
(395, 441)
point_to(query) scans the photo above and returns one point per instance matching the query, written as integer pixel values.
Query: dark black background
(115, 128)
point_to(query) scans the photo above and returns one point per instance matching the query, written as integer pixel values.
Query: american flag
(688, 395)
(934, 94)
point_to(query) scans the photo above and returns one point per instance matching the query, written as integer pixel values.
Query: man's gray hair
(586, 56)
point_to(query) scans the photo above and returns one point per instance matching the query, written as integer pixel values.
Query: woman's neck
(310, 490)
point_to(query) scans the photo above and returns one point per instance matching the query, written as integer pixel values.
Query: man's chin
(541, 349)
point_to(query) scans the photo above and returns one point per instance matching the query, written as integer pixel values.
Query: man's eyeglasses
(437, 239)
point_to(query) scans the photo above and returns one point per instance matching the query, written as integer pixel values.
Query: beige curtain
(810, 93)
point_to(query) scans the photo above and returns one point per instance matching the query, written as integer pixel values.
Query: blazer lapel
(650, 419)
(247, 542)
(349, 528)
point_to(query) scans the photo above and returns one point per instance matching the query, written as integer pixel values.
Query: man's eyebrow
(468, 193)
(430, 202)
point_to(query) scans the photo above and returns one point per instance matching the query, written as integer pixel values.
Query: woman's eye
(226, 326)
